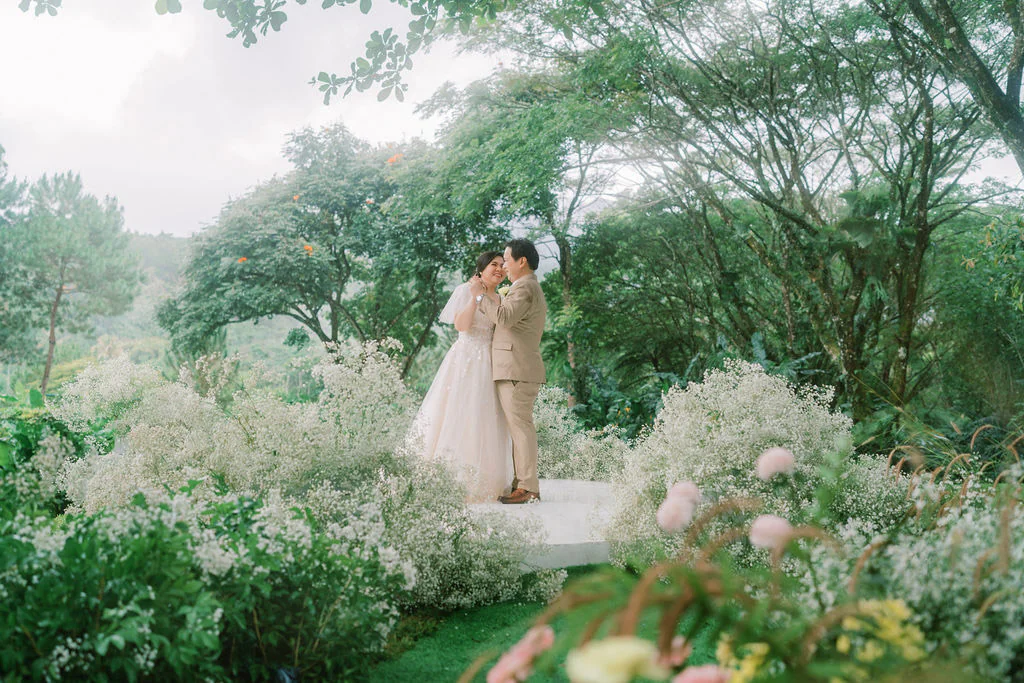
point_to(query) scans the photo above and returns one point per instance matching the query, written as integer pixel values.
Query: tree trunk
(53, 339)
(420, 342)
(964, 62)
(565, 269)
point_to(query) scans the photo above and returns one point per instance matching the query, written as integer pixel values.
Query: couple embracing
(477, 416)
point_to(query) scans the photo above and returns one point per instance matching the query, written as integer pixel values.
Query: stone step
(571, 513)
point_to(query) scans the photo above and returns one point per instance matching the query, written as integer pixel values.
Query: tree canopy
(64, 259)
(355, 242)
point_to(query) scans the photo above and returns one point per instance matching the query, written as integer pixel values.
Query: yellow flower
(851, 624)
(870, 652)
(891, 627)
(843, 644)
(618, 659)
(723, 651)
(751, 664)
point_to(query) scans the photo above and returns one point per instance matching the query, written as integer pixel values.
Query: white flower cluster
(960, 573)
(712, 433)
(566, 450)
(341, 456)
(104, 391)
(462, 559)
(49, 459)
(173, 434)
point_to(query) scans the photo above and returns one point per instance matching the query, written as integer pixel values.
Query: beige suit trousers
(517, 399)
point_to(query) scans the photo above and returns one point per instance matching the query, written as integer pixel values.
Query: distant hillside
(162, 256)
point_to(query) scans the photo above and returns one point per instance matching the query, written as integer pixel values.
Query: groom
(515, 360)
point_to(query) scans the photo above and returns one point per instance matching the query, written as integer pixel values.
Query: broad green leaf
(364, 6)
(161, 8)
(35, 399)
(383, 94)
(5, 454)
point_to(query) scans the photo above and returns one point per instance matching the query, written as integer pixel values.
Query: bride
(460, 422)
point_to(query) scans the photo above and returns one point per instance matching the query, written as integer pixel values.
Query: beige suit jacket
(519, 321)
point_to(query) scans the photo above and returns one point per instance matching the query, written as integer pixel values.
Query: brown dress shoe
(518, 497)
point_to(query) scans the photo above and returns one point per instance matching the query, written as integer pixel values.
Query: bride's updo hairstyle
(484, 260)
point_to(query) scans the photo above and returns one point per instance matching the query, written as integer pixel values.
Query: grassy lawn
(441, 648)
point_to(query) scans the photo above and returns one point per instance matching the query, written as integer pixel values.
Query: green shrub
(104, 597)
(181, 590)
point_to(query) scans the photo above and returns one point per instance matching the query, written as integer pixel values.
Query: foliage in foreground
(177, 588)
(932, 599)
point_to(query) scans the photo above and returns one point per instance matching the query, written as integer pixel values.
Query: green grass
(441, 647)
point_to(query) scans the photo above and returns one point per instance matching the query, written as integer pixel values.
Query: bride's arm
(464, 318)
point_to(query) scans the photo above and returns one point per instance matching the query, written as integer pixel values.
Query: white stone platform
(572, 513)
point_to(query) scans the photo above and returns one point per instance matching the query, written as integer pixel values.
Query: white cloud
(174, 118)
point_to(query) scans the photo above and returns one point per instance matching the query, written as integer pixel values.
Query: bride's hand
(476, 285)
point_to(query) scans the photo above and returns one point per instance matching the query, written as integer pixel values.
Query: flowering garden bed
(260, 539)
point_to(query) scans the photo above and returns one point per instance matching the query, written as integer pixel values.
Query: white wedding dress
(461, 422)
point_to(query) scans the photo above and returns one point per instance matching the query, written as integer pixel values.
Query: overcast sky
(172, 117)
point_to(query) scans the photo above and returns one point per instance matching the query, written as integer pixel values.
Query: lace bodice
(481, 331)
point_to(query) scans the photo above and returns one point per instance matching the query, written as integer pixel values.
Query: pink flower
(538, 639)
(674, 513)
(678, 653)
(514, 666)
(517, 664)
(687, 490)
(709, 673)
(769, 531)
(774, 461)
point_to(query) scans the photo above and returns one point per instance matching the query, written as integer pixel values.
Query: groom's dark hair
(521, 248)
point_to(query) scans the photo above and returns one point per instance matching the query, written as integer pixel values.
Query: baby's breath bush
(172, 433)
(463, 558)
(341, 456)
(712, 434)
(566, 450)
(103, 393)
(958, 565)
(181, 589)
